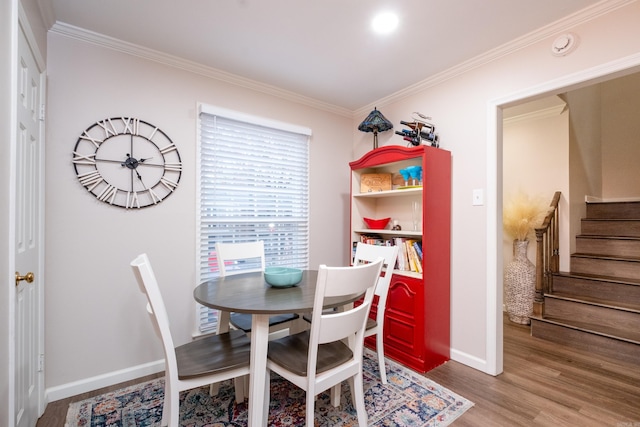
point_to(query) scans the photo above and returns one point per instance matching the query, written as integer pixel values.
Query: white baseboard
(93, 383)
(471, 361)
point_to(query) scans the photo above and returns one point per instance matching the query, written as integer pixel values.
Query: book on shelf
(418, 247)
(409, 250)
(416, 263)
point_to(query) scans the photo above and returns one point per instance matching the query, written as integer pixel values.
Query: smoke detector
(564, 44)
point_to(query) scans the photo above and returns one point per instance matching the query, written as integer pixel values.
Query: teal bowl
(282, 277)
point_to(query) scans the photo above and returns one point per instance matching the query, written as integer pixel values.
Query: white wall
(621, 137)
(535, 153)
(459, 104)
(95, 317)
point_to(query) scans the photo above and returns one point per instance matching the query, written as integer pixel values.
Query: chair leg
(310, 416)
(267, 395)
(335, 395)
(238, 384)
(358, 397)
(171, 408)
(213, 389)
(380, 350)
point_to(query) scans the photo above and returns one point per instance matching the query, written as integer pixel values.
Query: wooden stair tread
(596, 301)
(626, 281)
(629, 336)
(603, 237)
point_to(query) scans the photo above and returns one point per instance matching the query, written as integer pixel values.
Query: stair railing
(547, 255)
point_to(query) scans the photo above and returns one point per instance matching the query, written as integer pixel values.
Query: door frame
(494, 264)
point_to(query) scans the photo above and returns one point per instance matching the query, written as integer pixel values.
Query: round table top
(250, 293)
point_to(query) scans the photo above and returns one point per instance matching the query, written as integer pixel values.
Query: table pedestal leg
(258, 401)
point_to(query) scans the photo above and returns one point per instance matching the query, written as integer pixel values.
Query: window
(253, 185)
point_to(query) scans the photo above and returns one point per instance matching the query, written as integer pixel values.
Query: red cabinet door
(403, 326)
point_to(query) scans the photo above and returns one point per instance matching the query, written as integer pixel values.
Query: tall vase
(520, 284)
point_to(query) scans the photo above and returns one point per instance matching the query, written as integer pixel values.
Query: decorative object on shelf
(282, 277)
(371, 182)
(415, 173)
(420, 131)
(396, 226)
(376, 224)
(375, 122)
(520, 217)
(127, 162)
(416, 215)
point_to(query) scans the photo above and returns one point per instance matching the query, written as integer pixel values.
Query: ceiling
(321, 49)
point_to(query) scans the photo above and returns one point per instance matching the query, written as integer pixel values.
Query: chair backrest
(368, 253)
(155, 306)
(237, 258)
(334, 326)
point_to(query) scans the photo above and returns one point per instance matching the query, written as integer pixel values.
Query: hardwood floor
(543, 384)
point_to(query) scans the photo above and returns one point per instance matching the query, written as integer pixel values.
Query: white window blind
(253, 185)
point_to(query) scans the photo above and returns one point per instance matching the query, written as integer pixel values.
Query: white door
(29, 375)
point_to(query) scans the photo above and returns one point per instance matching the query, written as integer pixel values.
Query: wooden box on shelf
(417, 325)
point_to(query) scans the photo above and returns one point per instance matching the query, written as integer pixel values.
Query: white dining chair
(247, 257)
(366, 253)
(332, 350)
(195, 364)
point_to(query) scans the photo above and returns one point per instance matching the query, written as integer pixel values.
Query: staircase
(596, 306)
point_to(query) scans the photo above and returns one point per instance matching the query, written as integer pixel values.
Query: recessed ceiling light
(385, 22)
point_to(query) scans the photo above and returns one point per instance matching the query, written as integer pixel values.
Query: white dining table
(249, 293)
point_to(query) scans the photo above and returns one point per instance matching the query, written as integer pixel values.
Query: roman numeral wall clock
(127, 162)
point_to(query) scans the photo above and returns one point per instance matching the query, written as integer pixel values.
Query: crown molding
(585, 15)
(535, 115)
(122, 46)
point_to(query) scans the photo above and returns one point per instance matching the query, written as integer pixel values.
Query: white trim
(572, 81)
(105, 380)
(31, 39)
(256, 120)
(543, 113)
(469, 360)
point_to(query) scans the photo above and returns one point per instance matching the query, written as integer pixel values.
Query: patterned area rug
(408, 399)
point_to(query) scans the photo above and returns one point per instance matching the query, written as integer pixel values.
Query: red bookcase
(417, 319)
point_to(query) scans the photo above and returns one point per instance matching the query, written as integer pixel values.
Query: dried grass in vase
(521, 215)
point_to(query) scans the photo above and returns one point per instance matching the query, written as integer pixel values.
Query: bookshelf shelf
(417, 326)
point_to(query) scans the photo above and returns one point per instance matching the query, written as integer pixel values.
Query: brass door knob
(28, 277)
